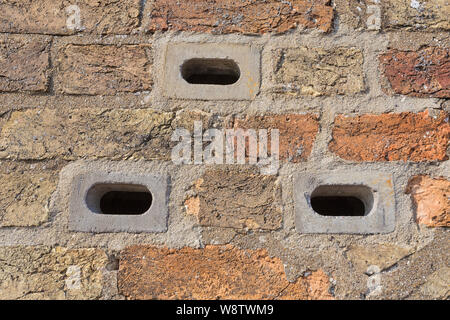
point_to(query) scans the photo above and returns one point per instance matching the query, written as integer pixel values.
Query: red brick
(215, 272)
(240, 16)
(297, 132)
(422, 73)
(391, 137)
(24, 64)
(431, 198)
(103, 69)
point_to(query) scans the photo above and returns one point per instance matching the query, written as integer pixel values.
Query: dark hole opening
(125, 202)
(338, 206)
(210, 71)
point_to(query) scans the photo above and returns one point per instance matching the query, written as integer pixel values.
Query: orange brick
(215, 272)
(391, 137)
(297, 132)
(431, 199)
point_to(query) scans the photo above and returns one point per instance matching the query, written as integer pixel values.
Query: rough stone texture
(52, 16)
(419, 276)
(39, 134)
(103, 69)
(317, 71)
(186, 118)
(24, 198)
(215, 272)
(50, 273)
(436, 285)
(431, 199)
(404, 40)
(297, 132)
(218, 236)
(430, 15)
(422, 73)
(350, 13)
(382, 255)
(391, 137)
(24, 64)
(229, 16)
(241, 199)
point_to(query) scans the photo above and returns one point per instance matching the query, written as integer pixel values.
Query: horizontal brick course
(214, 272)
(391, 137)
(229, 16)
(103, 69)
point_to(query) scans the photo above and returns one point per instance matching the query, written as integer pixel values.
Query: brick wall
(352, 86)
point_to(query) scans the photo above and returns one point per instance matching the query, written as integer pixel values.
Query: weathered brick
(246, 16)
(103, 69)
(391, 137)
(430, 15)
(422, 73)
(317, 71)
(41, 272)
(55, 16)
(86, 133)
(297, 132)
(404, 15)
(415, 276)
(215, 272)
(24, 63)
(431, 199)
(241, 199)
(24, 198)
(351, 13)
